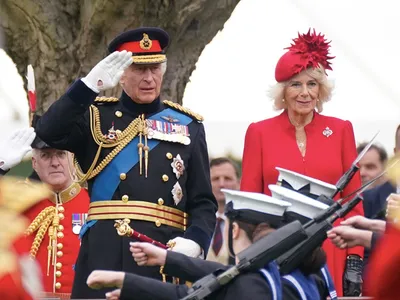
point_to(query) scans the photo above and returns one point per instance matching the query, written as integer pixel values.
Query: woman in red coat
(304, 141)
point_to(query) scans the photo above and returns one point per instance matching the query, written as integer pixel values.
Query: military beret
(147, 44)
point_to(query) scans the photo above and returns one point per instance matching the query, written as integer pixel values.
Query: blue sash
(271, 274)
(305, 285)
(329, 282)
(107, 182)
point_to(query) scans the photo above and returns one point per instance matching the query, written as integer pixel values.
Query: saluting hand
(146, 254)
(107, 73)
(14, 148)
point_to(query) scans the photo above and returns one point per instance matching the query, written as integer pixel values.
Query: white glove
(185, 246)
(15, 147)
(107, 73)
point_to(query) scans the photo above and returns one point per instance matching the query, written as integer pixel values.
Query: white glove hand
(15, 147)
(185, 246)
(107, 73)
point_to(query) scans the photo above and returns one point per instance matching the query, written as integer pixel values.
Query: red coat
(272, 143)
(20, 278)
(75, 201)
(382, 274)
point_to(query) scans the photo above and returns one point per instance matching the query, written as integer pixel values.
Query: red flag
(31, 89)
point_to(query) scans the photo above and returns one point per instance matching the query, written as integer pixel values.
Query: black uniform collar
(137, 108)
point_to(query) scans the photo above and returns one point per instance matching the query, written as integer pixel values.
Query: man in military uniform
(56, 220)
(145, 160)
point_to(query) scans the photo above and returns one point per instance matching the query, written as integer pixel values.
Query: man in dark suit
(375, 198)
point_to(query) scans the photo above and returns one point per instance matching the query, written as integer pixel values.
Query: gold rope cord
(123, 139)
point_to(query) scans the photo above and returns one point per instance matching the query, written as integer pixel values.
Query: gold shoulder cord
(185, 110)
(123, 139)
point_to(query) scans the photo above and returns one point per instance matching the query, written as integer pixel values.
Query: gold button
(60, 246)
(165, 178)
(118, 131)
(58, 265)
(125, 198)
(60, 235)
(122, 176)
(168, 155)
(118, 114)
(61, 209)
(160, 201)
(60, 227)
(158, 223)
(61, 216)
(58, 285)
(58, 273)
(60, 253)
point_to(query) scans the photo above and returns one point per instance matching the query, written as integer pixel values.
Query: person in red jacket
(20, 276)
(302, 140)
(57, 220)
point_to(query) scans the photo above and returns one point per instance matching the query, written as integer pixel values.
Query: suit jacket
(375, 200)
(223, 256)
(331, 149)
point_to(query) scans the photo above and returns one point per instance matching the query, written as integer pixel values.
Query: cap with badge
(302, 208)
(38, 143)
(305, 185)
(147, 44)
(254, 208)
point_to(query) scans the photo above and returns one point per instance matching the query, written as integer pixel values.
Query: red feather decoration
(313, 48)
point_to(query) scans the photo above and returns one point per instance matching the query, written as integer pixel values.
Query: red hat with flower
(307, 51)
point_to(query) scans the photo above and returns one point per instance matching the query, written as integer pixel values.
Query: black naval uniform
(66, 125)
(250, 285)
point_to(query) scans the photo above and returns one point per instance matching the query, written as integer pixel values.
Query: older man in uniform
(145, 160)
(56, 221)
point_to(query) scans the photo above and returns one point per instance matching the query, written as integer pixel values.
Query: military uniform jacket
(67, 125)
(251, 285)
(72, 206)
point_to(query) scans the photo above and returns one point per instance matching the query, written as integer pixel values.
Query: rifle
(317, 228)
(256, 256)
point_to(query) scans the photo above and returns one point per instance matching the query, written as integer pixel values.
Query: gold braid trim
(186, 111)
(106, 99)
(123, 139)
(41, 223)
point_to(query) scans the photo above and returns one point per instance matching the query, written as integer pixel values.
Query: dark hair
(381, 151)
(254, 232)
(225, 160)
(314, 262)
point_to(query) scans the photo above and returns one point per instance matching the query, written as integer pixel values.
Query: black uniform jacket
(67, 125)
(245, 286)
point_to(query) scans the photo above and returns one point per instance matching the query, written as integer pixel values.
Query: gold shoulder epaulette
(106, 100)
(184, 110)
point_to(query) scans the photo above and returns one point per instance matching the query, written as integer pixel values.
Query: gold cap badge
(146, 42)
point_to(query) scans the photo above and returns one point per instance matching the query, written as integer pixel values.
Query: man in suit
(372, 163)
(224, 175)
(375, 198)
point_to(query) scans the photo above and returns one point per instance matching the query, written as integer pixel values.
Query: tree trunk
(64, 39)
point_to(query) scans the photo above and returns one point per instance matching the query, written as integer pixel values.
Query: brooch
(178, 166)
(327, 132)
(177, 193)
